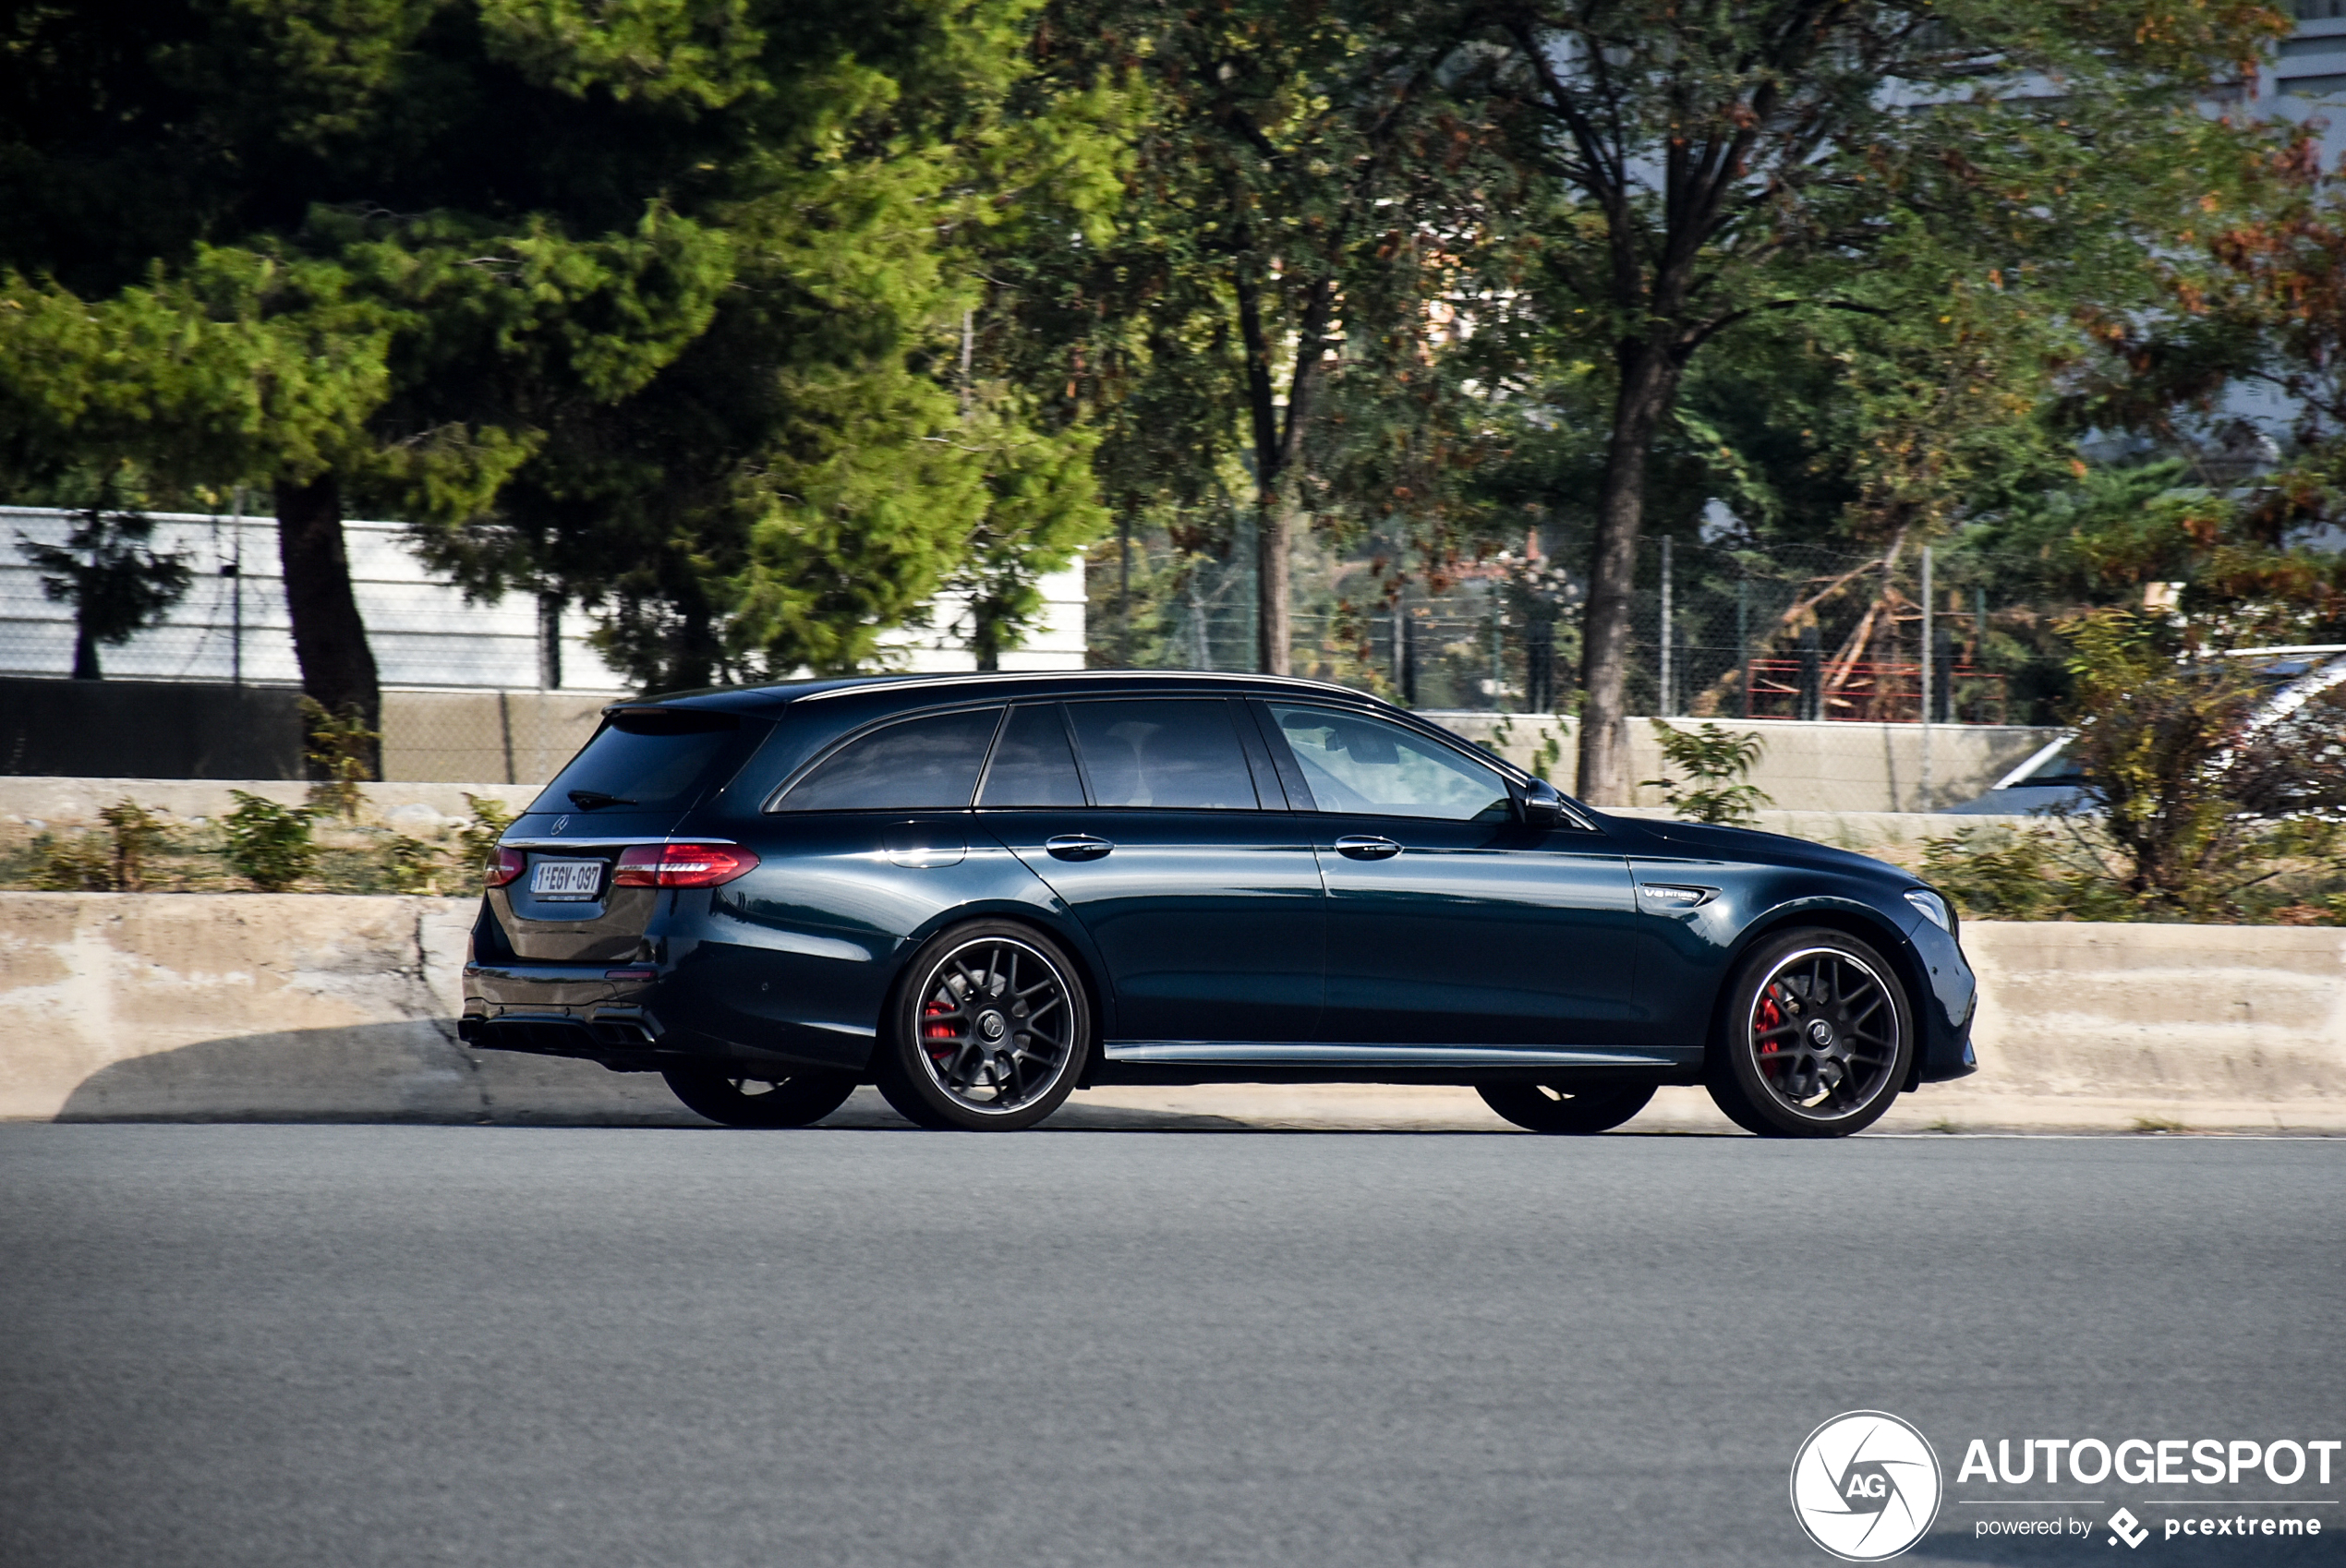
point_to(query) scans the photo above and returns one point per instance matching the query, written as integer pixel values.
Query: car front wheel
(990, 1031)
(1539, 1107)
(1816, 1039)
(795, 1100)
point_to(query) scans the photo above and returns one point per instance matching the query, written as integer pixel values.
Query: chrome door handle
(1077, 847)
(1365, 847)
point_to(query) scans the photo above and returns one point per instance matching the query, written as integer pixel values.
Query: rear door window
(1033, 765)
(651, 758)
(926, 764)
(1168, 753)
(1364, 766)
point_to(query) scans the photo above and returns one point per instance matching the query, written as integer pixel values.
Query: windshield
(650, 759)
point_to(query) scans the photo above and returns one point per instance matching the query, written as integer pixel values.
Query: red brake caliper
(1766, 1017)
(937, 1032)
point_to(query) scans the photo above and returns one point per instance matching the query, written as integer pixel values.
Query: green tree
(389, 252)
(825, 457)
(1703, 167)
(1287, 186)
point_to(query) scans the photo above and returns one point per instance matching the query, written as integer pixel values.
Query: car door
(1148, 817)
(1450, 921)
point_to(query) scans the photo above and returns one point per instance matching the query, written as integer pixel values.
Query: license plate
(575, 881)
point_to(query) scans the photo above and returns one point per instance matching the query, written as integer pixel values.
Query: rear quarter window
(925, 764)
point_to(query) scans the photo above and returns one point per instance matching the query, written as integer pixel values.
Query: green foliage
(341, 751)
(2033, 874)
(2200, 789)
(137, 839)
(479, 836)
(80, 863)
(268, 845)
(1717, 764)
(119, 860)
(413, 865)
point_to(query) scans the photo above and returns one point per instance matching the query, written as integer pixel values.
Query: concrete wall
(36, 805)
(514, 737)
(262, 1006)
(295, 1007)
(1826, 767)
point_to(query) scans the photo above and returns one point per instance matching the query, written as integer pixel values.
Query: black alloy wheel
(990, 1031)
(1816, 1038)
(1541, 1107)
(719, 1094)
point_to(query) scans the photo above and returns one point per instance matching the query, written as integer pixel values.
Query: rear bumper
(629, 1024)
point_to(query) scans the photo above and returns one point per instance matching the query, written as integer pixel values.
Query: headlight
(1933, 907)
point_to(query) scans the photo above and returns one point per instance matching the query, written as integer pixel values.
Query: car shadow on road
(414, 1071)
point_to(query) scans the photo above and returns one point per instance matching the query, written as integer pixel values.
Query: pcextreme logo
(1866, 1486)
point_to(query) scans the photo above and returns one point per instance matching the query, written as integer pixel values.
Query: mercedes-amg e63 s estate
(983, 892)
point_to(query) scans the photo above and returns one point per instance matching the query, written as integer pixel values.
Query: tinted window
(649, 758)
(1369, 768)
(920, 764)
(1033, 764)
(1163, 753)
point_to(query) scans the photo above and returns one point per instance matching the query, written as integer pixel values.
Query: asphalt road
(330, 1346)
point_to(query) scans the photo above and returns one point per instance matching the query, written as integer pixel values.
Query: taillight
(509, 864)
(681, 865)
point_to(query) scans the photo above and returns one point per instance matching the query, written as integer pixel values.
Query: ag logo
(1865, 1486)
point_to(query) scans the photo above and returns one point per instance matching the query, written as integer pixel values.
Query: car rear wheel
(1816, 1040)
(989, 1032)
(795, 1100)
(1540, 1107)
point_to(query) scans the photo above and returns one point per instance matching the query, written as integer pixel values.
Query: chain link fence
(1786, 636)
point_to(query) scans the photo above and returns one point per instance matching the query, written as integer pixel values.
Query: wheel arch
(1061, 928)
(1849, 918)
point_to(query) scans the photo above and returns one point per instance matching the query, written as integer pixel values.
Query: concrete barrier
(228, 1007)
(1822, 765)
(34, 803)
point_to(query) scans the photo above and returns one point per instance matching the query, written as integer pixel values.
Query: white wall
(422, 631)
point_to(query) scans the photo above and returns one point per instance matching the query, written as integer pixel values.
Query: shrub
(79, 864)
(2201, 809)
(341, 748)
(137, 838)
(414, 865)
(480, 835)
(1718, 764)
(268, 844)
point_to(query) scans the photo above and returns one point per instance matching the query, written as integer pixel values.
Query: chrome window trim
(596, 843)
(1168, 677)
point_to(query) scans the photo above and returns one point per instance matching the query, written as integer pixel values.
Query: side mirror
(1543, 807)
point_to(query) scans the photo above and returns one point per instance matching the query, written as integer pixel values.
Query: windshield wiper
(595, 800)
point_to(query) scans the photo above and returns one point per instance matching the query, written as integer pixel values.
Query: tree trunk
(1274, 626)
(337, 667)
(85, 654)
(1648, 379)
(1271, 622)
(696, 649)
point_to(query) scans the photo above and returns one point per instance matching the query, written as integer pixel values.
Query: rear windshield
(649, 759)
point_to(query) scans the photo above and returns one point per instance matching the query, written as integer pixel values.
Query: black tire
(988, 1032)
(1816, 1039)
(796, 1100)
(1540, 1107)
